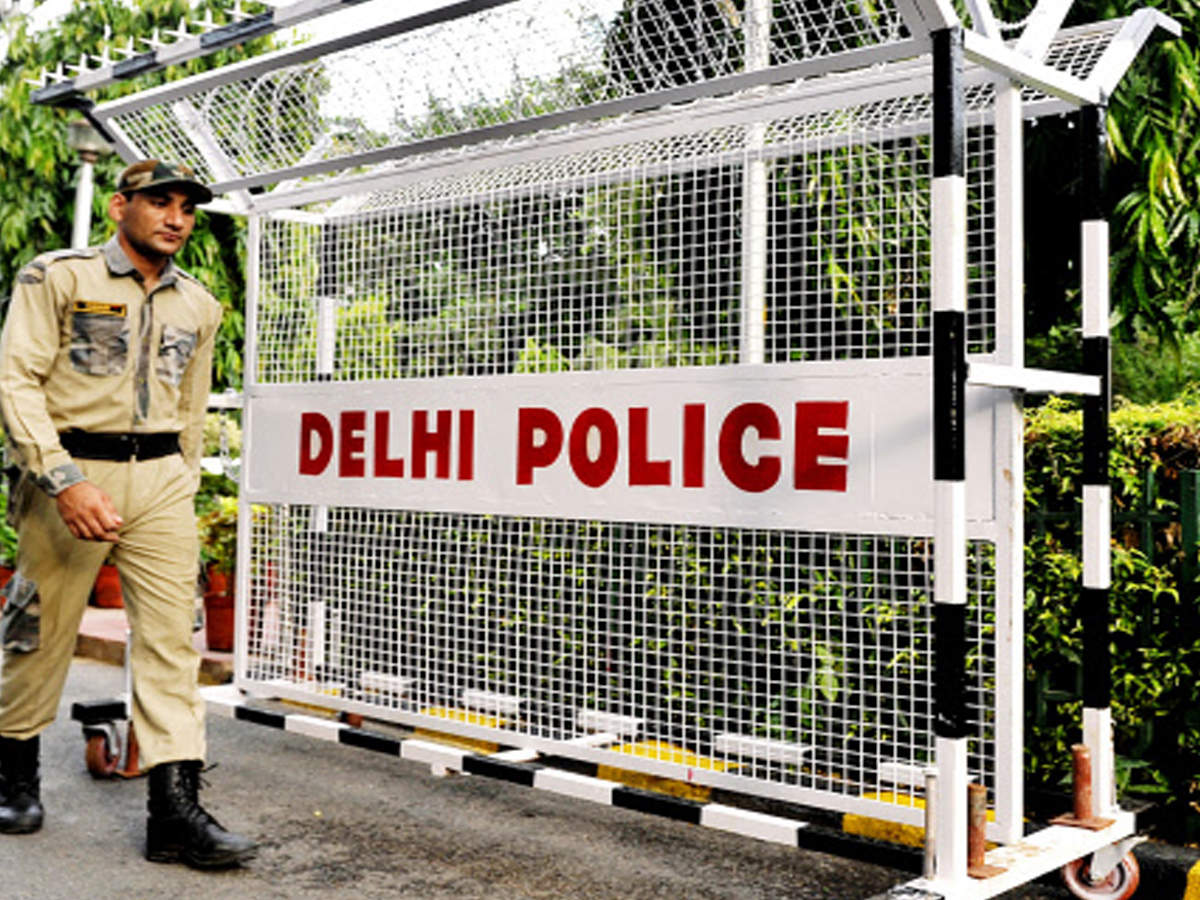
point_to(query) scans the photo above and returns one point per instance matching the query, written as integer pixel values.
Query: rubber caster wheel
(101, 758)
(1120, 884)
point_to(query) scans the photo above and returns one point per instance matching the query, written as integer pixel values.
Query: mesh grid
(795, 660)
(517, 61)
(631, 256)
(707, 637)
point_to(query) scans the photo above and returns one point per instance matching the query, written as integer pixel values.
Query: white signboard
(810, 446)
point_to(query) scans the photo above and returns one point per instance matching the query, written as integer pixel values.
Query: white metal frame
(1024, 86)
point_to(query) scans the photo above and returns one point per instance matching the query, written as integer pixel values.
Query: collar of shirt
(119, 264)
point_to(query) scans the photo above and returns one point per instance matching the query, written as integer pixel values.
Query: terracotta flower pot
(6, 572)
(107, 592)
(218, 611)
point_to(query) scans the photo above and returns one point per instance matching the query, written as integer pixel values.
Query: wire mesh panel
(782, 662)
(515, 61)
(772, 659)
(526, 61)
(631, 256)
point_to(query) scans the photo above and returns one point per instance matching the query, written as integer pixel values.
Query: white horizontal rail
(1032, 381)
(226, 400)
(236, 33)
(1124, 48)
(1020, 68)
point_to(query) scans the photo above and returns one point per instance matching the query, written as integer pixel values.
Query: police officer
(105, 367)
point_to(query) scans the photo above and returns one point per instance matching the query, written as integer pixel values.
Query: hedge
(1156, 617)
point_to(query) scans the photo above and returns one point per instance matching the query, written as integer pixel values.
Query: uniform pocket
(99, 343)
(175, 351)
(21, 622)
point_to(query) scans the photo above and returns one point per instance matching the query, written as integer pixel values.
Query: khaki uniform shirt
(85, 347)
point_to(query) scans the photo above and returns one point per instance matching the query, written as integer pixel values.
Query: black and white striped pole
(949, 290)
(1097, 500)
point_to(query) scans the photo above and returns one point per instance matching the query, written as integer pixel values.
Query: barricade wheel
(101, 758)
(1120, 884)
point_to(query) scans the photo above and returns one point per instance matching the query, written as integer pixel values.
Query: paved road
(340, 822)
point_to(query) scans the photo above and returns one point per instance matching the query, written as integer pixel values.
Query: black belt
(119, 446)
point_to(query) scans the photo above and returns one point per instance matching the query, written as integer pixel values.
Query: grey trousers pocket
(21, 622)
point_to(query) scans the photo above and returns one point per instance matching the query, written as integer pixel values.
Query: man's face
(155, 223)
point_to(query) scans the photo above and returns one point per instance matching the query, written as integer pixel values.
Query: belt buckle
(130, 443)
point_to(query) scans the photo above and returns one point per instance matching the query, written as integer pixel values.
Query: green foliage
(218, 534)
(1149, 369)
(8, 535)
(1156, 615)
(1154, 179)
(38, 170)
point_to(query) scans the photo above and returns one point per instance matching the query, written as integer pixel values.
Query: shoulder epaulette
(188, 276)
(70, 253)
(184, 273)
(34, 272)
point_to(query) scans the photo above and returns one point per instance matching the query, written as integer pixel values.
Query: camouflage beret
(154, 173)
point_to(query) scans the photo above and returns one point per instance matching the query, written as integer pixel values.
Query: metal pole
(929, 867)
(949, 613)
(1010, 492)
(757, 29)
(85, 190)
(1097, 500)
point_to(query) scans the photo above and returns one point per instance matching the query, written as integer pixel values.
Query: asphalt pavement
(336, 821)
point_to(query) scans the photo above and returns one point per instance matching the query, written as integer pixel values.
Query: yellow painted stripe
(1193, 884)
(662, 750)
(895, 832)
(881, 830)
(460, 715)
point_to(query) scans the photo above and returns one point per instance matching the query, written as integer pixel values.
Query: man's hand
(88, 512)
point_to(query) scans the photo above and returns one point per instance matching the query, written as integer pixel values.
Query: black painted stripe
(260, 716)
(950, 684)
(1097, 661)
(949, 389)
(238, 32)
(570, 764)
(1096, 361)
(53, 94)
(949, 133)
(881, 853)
(502, 769)
(657, 804)
(1093, 152)
(90, 712)
(136, 65)
(369, 740)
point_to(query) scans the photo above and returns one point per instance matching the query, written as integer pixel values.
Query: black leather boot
(20, 787)
(180, 830)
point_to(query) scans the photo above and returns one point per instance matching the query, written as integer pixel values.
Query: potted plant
(106, 592)
(8, 552)
(218, 551)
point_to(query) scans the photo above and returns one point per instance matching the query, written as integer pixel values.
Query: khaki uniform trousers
(157, 557)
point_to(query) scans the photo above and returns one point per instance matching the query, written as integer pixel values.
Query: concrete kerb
(102, 638)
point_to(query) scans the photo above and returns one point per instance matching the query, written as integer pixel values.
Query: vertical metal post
(1097, 499)
(1010, 492)
(929, 864)
(757, 30)
(85, 190)
(976, 826)
(241, 629)
(949, 287)
(326, 300)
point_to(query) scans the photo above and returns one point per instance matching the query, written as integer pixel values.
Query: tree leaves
(38, 170)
